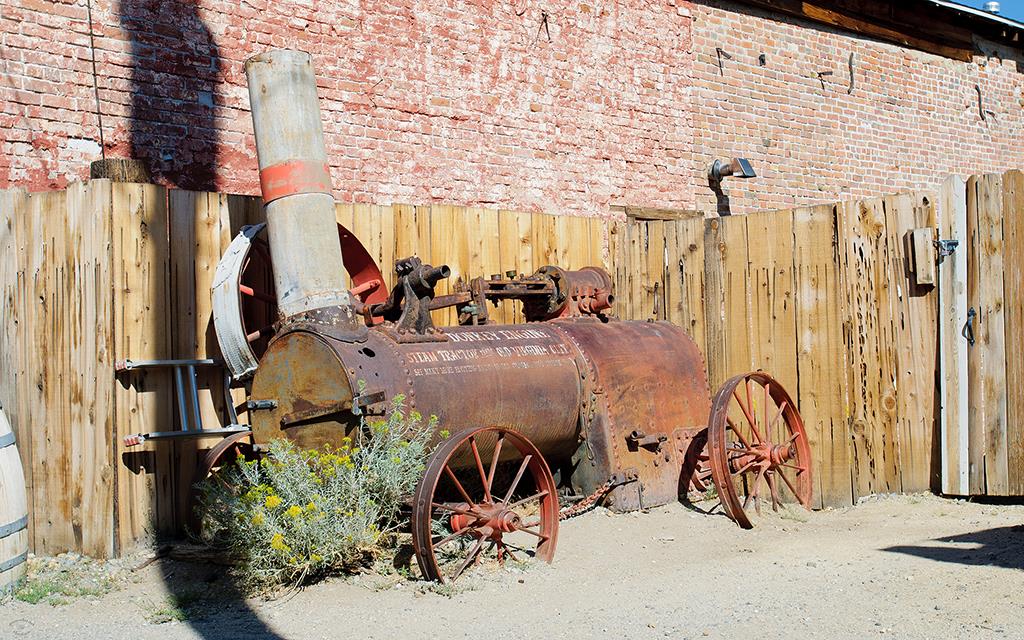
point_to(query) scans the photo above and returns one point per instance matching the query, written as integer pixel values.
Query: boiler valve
(408, 307)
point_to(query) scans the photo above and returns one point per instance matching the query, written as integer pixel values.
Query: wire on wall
(95, 80)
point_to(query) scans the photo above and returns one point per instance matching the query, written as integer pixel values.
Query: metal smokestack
(296, 182)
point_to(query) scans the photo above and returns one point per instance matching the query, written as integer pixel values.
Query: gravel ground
(900, 567)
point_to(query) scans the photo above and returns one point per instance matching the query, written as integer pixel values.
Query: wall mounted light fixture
(738, 167)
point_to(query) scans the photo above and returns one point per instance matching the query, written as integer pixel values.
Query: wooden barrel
(13, 510)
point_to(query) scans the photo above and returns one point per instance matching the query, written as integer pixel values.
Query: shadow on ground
(997, 547)
(175, 73)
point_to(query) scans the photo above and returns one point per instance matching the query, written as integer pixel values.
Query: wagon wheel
(695, 477)
(464, 513)
(758, 448)
(232, 448)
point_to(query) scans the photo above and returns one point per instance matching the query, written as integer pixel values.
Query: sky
(1013, 9)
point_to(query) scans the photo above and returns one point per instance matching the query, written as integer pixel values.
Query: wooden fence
(825, 298)
(822, 299)
(106, 271)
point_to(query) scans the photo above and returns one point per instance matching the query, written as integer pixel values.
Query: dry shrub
(297, 515)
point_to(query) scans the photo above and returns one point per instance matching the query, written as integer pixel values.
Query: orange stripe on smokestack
(296, 182)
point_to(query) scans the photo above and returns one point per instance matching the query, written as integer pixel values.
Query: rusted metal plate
(300, 372)
(652, 396)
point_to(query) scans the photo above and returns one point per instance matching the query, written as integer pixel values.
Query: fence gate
(981, 326)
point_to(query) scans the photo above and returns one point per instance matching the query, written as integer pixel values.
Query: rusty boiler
(602, 402)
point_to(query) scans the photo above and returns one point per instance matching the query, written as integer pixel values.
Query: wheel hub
(494, 518)
(764, 455)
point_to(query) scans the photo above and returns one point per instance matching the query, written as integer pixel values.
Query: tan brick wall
(461, 102)
(470, 103)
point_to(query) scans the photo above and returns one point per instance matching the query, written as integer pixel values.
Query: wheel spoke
(451, 537)
(508, 551)
(796, 494)
(778, 414)
(458, 485)
(258, 295)
(793, 466)
(745, 467)
(756, 492)
(533, 533)
(472, 556)
(515, 483)
(494, 460)
(480, 468)
(735, 429)
(749, 416)
(456, 510)
(536, 496)
(776, 500)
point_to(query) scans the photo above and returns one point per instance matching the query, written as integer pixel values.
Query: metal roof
(977, 13)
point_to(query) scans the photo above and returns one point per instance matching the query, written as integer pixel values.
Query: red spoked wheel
(758, 448)
(466, 514)
(237, 446)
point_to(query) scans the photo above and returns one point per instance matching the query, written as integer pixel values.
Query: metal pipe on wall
(296, 182)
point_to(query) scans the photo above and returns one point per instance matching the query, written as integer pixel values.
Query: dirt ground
(901, 567)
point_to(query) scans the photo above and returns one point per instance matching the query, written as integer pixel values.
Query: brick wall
(486, 103)
(460, 102)
(911, 119)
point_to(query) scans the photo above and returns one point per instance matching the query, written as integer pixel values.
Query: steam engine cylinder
(599, 399)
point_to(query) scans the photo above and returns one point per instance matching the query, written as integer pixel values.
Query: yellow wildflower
(277, 543)
(272, 501)
(293, 511)
(311, 506)
(258, 519)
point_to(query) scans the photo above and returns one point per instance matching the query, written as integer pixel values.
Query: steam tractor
(572, 405)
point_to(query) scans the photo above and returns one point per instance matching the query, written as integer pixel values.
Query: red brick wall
(911, 119)
(460, 102)
(470, 103)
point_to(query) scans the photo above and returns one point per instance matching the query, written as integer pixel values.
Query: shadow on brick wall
(174, 74)
(175, 68)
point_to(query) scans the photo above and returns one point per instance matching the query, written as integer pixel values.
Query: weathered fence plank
(987, 357)
(144, 498)
(821, 392)
(89, 342)
(952, 212)
(1013, 286)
